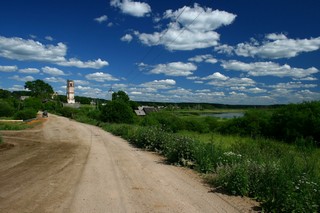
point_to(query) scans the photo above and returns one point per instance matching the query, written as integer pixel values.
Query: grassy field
(186, 112)
(240, 156)
(283, 177)
(5, 125)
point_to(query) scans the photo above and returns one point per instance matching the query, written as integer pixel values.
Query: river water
(225, 115)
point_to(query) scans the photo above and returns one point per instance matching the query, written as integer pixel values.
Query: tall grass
(284, 178)
(13, 126)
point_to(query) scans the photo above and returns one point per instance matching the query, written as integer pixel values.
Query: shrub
(68, 112)
(33, 103)
(117, 112)
(25, 114)
(166, 121)
(212, 123)
(52, 106)
(297, 121)
(94, 114)
(6, 110)
(180, 150)
(196, 125)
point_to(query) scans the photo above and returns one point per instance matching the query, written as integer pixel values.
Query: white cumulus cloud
(268, 69)
(101, 77)
(49, 38)
(101, 19)
(159, 84)
(73, 62)
(30, 50)
(194, 29)
(216, 76)
(203, 58)
(8, 68)
(232, 82)
(133, 8)
(199, 18)
(174, 69)
(275, 46)
(55, 80)
(29, 70)
(24, 79)
(52, 71)
(127, 38)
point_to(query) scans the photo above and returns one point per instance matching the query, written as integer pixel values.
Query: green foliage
(5, 94)
(52, 106)
(171, 122)
(13, 126)
(39, 88)
(287, 123)
(25, 114)
(68, 112)
(297, 120)
(283, 178)
(120, 96)
(83, 100)
(6, 110)
(196, 125)
(165, 120)
(32, 103)
(117, 111)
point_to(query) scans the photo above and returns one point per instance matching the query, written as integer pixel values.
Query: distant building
(70, 92)
(54, 95)
(144, 110)
(22, 98)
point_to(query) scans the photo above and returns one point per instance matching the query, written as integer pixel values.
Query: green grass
(226, 141)
(283, 177)
(193, 112)
(13, 126)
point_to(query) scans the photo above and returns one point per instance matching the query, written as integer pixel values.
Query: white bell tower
(70, 92)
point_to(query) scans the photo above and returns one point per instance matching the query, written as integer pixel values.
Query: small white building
(70, 92)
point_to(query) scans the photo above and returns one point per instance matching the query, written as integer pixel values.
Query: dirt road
(66, 166)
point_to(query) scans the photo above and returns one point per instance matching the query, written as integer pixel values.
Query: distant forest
(181, 105)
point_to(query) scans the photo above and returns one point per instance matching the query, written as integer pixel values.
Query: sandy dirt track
(66, 166)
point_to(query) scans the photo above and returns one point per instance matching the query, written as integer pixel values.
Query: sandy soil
(66, 166)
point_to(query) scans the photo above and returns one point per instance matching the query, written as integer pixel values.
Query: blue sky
(221, 51)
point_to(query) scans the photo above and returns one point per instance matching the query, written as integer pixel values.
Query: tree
(120, 95)
(5, 94)
(119, 109)
(6, 110)
(118, 112)
(33, 103)
(39, 88)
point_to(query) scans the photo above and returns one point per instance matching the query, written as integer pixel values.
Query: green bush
(212, 123)
(32, 103)
(180, 150)
(68, 112)
(165, 120)
(6, 110)
(297, 121)
(117, 112)
(13, 126)
(196, 125)
(25, 114)
(52, 106)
